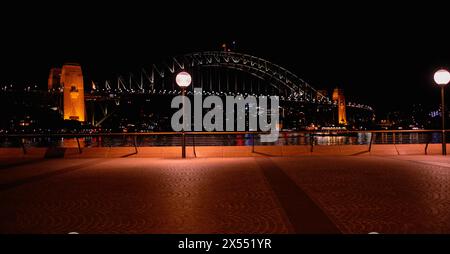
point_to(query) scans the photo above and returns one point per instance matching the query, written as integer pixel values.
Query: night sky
(381, 55)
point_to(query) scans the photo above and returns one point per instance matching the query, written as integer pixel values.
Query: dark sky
(383, 55)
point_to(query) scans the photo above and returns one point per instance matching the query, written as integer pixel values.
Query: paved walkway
(324, 194)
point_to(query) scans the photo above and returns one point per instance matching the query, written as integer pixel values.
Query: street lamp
(442, 78)
(183, 80)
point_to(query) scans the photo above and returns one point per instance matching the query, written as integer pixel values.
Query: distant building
(385, 124)
(54, 78)
(338, 96)
(73, 87)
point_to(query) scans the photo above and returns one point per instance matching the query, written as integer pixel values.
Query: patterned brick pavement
(348, 194)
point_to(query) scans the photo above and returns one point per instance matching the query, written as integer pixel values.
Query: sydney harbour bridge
(141, 100)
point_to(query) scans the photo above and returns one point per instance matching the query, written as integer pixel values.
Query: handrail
(27, 135)
(312, 133)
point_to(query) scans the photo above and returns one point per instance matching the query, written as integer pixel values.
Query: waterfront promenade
(358, 193)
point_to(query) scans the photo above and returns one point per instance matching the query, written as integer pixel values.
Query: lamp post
(183, 80)
(442, 78)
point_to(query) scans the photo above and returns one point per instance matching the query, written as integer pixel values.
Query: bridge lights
(442, 78)
(183, 80)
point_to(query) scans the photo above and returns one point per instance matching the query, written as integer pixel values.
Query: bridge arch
(288, 84)
(296, 95)
(275, 75)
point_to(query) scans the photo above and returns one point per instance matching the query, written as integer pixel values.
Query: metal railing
(308, 137)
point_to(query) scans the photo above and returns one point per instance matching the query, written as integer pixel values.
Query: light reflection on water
(229, 140)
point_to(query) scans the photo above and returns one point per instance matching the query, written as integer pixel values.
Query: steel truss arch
(276, 75)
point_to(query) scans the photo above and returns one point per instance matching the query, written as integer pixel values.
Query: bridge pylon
(338, 96)
(73, 89)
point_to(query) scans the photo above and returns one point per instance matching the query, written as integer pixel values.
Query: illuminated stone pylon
(338, 95)
(54, 78)
(72, 82)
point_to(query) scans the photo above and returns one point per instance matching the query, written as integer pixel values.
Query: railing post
(78, 142)
(193, 146)
(311, 141)
(183, 145)
(426, 145)
(135, 144)
(444, 144)
(371, 141)
(253, 142)
(24, 150)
